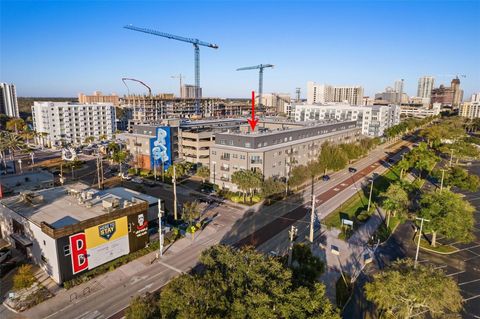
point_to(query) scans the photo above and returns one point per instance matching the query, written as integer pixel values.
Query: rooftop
(71, 204)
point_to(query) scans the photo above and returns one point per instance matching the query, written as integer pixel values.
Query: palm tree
(13, 142)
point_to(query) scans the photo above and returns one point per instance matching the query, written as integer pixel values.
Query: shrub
(132, 171)
(24, 277)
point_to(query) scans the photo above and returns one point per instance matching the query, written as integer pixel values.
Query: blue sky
(52, 48)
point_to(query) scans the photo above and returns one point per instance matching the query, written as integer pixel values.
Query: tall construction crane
(260, 68)
(196, 47)
(180, 77)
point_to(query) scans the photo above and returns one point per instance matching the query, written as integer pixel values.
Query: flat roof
(70, 204)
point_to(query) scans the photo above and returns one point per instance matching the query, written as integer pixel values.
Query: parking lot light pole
(312, 219)
(419, 238)
(160, 234)
(174, 193)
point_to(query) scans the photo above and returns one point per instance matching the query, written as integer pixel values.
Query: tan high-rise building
(98, 97)
(324, 93)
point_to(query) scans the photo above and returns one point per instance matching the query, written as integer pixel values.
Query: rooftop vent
(110, 203)
(32, 198)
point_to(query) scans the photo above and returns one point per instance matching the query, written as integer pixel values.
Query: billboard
(161, 149)
(99, 244)
(138, 231)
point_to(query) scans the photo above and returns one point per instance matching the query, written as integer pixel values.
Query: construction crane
(196, 47)
(180, 77)
(260, 68)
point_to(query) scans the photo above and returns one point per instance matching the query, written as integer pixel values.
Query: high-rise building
(324, 93)
(8, 100)
(451, 96)
(98, 97)
(470, 110)
(373, 119)
(188, 92)
(390, 96)
(475, 97)
(275, 102)
(63, 122)
(425, 86)
(398, 86)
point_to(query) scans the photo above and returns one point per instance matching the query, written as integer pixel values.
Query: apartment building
(8, 100)
(188, 91)
(69, 230)
(71, 123)
(275, 103)
(420, 112)
(98, 97)
(273, 148)
(325, 93)
(470, 110)
(373, 119)
(189, 141)
(425, 86)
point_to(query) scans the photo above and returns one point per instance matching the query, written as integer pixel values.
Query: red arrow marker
(253, 121)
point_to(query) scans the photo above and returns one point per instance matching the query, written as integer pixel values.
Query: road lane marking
(171, 267)
(144, 288)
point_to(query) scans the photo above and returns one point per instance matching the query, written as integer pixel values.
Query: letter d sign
(78, 248)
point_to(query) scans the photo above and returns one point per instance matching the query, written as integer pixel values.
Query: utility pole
(101, 171)
(312, 219)
(443, 176)
(174, 193)
(292, 232)
(160, 234)
(61, 173)
(287, 173)
(419, 238)
(98, 171)
(370, 196)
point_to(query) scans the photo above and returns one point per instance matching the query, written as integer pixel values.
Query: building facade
(470, 110)
(324, 93)
(273, 149)
(448, 96)
(97, 227)
(425, 86)
(188, 92)
(475, 97)
(98, 97)
(420, 112)
(275, 103)
(373, 119)
(8, 100)
(72, 123)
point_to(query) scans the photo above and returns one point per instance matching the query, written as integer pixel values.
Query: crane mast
(196, 48)
(260, 68)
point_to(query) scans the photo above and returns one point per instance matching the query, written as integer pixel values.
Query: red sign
(78, 248)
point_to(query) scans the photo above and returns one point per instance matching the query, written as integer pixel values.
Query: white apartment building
(373, 119)
(8, 100)
(275, 102)
(425, 86)
(324, 93)
(420, 112)
(475, 97)
(470, 110)
(72, 122)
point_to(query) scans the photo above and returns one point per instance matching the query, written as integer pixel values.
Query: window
(242, 157)
(44, 243)
(247, 144)
(66, 250)
(235, 155)
(44, 259)
(214, 152)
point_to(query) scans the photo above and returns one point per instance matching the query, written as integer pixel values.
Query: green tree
(395, 201)
(15, 124)
(242, 284)
(449, 214)
(404, 166)
(24, 277)
(422, 158)
(142, 308)
(120, 157)
(352, 150)
(314, 168)
(89, 139)
(403, 291)
(298, 176)
(203, 172)
(247, 181)
(271, 187)
(459, 177)
(3, 121)
(305, 266)
(11, 142)
(332, 157)
(191, 211)
(461, 150)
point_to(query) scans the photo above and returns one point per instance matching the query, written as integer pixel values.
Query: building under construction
(152, 109)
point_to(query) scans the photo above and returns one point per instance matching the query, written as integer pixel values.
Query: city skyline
(47, 50)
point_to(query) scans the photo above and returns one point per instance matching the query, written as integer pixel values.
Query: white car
(137, 180)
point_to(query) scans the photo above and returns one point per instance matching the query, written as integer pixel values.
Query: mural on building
(160, 148)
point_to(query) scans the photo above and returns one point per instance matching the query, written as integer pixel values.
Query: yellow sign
(106, 232)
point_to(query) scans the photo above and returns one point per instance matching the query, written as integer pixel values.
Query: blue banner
(160, 149)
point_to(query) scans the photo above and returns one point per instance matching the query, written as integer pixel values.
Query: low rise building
(71, 123)
(98, 97)
(420, 112)
(273, 148)
(71, 229)
(373, 119)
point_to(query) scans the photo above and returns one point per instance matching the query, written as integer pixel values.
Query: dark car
(352, 169)
(390, 160)
(325, 178)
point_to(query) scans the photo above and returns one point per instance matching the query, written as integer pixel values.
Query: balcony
(225, 158)
(225, 168)
(256, 161)
(225, 179)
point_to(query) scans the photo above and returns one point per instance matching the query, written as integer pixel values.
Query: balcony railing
(225, 158)
(225, 169)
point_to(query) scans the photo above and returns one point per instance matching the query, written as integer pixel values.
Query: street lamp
(419, 238)
(370, 196)
(20, 165)
(291, 233)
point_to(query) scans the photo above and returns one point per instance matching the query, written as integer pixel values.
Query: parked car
(137, 180)
(325, 178)
(352, 169)
(149, 182)
(125, 176)
(390, 160)
(5, 254)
